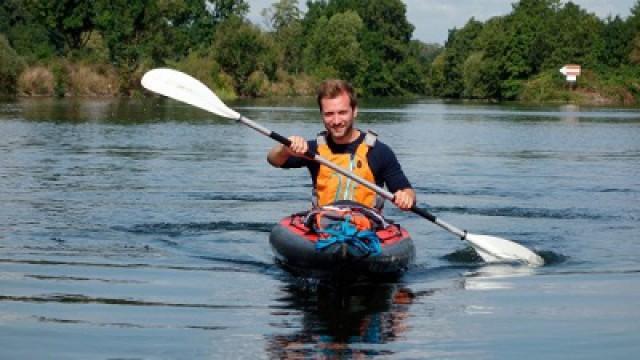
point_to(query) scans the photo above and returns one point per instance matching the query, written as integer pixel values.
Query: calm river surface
(139, 230)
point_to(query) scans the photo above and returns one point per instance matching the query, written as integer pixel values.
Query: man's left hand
(404, 199)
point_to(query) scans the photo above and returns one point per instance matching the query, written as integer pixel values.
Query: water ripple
(77, 278)
(124, 325)
(83, 299)
(485, 191)
(252, 197)
(537, 213)
(181, 229)
(116, 265)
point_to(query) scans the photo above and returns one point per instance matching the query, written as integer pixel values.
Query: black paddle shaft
(279, 138)
(424, 213)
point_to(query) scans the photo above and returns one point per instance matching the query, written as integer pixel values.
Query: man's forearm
(278, 155)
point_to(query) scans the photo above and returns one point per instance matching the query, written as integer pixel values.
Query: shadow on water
(339, 320)
(109, 111)
(329, 320)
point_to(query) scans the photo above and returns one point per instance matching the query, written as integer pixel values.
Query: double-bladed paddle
(182, 87)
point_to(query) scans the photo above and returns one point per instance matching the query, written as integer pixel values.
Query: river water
(139, 230)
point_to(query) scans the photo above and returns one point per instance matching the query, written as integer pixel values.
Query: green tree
(528, 29)
(285, 18)
(242, 49)
(282, 14)
(129, 29)
(489, 69)
(426, 53)
(387, 37)
(458, 46)
(423, 55)
(10, 66)
(388, 30)
(68, 22)
(634, 26)
(222, 10)
(28, 36)
(634, 55)
(410, 76)
(384, 43)
(575, 35)
(437, 79)
(474, 85)
(333, 48)
(514, 47)
(378, 79)
(191, 24)
(634, 18)
(10, 14)
(615, 35)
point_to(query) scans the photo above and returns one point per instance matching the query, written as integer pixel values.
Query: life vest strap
(369, 138)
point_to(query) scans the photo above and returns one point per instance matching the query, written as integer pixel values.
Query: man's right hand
(298, 147)
(280, 153)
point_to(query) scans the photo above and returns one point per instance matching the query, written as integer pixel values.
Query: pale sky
(433, 18)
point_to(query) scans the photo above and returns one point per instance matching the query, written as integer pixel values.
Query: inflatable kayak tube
(294, 246)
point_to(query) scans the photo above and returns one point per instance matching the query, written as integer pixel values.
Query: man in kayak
(350, 148)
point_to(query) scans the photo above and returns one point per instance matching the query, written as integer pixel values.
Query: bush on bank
(11, 66)
(64, 78)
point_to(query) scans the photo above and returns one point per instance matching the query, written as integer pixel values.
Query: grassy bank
(66, 78)
(619, 86)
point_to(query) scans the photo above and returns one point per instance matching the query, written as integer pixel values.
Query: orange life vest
(332, 186)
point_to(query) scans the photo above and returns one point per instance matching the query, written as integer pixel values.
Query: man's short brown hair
(332, 88)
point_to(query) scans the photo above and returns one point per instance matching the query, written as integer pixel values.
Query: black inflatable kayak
(294, 246)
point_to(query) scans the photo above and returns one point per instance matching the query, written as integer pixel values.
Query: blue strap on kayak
(360, 243)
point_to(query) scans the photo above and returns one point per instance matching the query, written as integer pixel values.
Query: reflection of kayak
(295, 246)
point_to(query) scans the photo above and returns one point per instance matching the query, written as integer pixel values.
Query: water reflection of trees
(336, 322)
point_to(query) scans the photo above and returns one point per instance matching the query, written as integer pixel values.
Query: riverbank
(68, 79)
(618, 87)
(65, 79)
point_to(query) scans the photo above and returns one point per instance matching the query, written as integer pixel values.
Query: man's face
(338, 117)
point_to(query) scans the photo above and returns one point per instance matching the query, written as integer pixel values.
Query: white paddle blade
(494, 249)
(182, 87)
